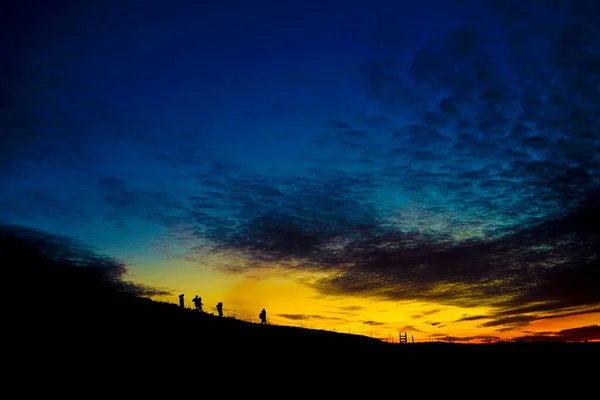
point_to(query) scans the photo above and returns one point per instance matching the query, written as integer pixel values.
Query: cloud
(338, 125)
(347, 310)
(425, 313)
(472, 183)
(511, 318)
(373, 323)
(351, 308)
(304, 317)
(514, 321)
(472, 318)
(36, 254)
(484, 198)
(296, 317)
(523, 320)
(578, 334)
(410, 328)
(591, 332)
(442, 337)
(483, 338)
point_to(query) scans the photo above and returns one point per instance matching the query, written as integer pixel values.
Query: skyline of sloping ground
(381, 166)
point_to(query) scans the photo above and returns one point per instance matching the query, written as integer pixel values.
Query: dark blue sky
(403, 146)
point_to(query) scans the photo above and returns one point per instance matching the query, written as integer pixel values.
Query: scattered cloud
(472, 318)
(425, 313)
(473, 184)
(351, 308)
(373, 323)
(304, 317)
(578, 334)
(494, 188)
(523, 320)
(410, 328)
(591, 332)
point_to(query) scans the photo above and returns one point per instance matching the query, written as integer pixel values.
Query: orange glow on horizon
(290, 301)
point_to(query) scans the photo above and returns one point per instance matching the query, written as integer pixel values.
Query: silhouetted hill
(85, 309)
(83, 315)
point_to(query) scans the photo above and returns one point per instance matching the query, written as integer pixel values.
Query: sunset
(301, 304)
(372, 168)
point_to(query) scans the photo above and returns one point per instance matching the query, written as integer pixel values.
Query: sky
(370, 166)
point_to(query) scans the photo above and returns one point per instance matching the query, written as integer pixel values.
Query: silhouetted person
(220, 308)
(181, 303)
(263, 316)
(198, 303)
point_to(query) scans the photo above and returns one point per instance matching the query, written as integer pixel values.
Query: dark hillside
(80, 309)
(81, 315)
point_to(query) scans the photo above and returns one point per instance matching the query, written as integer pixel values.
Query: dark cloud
(372, 121)
(327, 225)
(578, 334)
(116, 204)
(472, 318)
(473, 183)
(496, 184)
(304, 317)
(373, 323)
(591, 332)
(523, 320)
(351, 308)
(338, 125)
(123, 202)
(409, 328)
(347, 310)
(508, 319)
(516, 320)
(36, 253)
(296, 317)
(425, 313)
(438, 335)
(442, 337)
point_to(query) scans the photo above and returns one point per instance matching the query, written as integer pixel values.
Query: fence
(402, 338)
(245, 316)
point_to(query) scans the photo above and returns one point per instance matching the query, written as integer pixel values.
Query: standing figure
(220, 308)
(181, 303)
(263, 316)
(198, 303)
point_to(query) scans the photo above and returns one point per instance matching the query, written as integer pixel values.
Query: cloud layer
(484, 197)
(473, 184)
